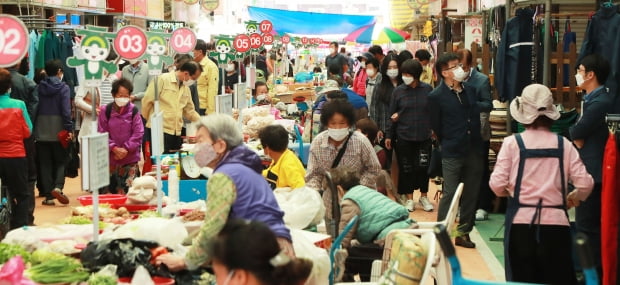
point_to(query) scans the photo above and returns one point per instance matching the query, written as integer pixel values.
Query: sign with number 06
(256, 41)
(183, 40)
(14, 40)
(130, 42)
(241, 43)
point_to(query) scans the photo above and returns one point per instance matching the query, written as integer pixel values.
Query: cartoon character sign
(95, 48)
(157, 51)
(251, 27)
(224, 51)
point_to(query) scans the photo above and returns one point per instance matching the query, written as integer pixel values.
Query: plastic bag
(304, 248)
(156, 229)
(127, 254)
(302, 207)
(12, 272)
(141, 277)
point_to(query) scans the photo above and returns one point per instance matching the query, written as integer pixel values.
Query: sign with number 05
(183, 40)
(14, 40)
(241, 43)
(130, 42)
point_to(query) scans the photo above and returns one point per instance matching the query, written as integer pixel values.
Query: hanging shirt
(32, 52)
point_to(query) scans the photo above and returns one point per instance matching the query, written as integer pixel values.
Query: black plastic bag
(73, 163)
(127, 254)
(434, 167)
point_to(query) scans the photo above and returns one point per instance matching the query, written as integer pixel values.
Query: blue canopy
(308, 23)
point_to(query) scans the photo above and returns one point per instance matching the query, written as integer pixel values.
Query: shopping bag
(5, 213)
(73, 162)
(434, 167)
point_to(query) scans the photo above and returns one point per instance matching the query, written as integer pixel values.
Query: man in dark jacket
(53, 117)
(25, 90)
(455, 120)
(589, 135)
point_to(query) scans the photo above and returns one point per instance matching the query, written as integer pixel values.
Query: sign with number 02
(14, 40)
(130, 42)
(183, 40)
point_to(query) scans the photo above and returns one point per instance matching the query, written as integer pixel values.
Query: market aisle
(476, 263)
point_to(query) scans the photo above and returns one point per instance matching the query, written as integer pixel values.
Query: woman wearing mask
(359, 82)
(121, 120)
(236, 190)
(409, 132)
(374, 79)
(247, 252)
(340, 145)
(232, 77)
(260, 92)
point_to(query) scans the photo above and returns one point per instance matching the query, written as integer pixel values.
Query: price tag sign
(130, 42)
(305, 40)
(265, 27)
(286, 39)
(241, 43)
(267, 39)
(14, 41)
(256, 41)
(183, 40)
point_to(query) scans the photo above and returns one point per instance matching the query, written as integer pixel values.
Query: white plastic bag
(302, 207)
(305, 248)
(155, 229)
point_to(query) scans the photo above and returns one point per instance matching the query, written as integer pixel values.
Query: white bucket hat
(330, 85)
(535, 100)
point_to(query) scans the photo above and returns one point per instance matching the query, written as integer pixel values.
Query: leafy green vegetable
(98, 279)
(40, 255)
(81, 220)
(58, 269)
(150, 214)
(8, 251)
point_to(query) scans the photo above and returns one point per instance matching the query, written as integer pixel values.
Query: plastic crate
(189, 190)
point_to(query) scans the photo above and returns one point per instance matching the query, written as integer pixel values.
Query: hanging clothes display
(610, 211)
(569, 37)
(32, 51)
(512, 73)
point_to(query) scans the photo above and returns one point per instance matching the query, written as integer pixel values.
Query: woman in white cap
(533, 168)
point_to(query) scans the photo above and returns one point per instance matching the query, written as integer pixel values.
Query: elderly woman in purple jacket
(121, 120)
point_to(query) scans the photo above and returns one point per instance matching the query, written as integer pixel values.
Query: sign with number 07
(14, 40)
(265, 26)
(183, 40)
(130, 42)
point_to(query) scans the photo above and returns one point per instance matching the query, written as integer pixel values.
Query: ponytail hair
(252, 246)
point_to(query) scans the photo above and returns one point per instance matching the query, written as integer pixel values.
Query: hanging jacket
(513, 65)
(603, 38)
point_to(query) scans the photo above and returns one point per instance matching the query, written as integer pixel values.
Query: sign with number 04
(183, 40)
(130, 42)
(14, 40)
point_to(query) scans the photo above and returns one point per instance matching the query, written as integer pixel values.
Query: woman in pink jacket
(533, 168)
(121, 120)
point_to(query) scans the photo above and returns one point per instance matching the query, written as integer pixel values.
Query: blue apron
(514, 204)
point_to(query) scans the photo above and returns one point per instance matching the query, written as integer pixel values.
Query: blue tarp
(308, 23)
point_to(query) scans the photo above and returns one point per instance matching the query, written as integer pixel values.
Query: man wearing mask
(335, 58)
(589, 135)
(208, 81)
(455, 121)
(25, 90)
(175, 100)
(138, 74)
(481, 85)
(377, 52)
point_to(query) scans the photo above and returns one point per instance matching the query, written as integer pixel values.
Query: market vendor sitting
(378, 215)
(262, 98)
(236, 190)
(286, 169)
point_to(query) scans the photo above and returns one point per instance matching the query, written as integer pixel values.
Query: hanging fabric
(610, 210)
(569, 37)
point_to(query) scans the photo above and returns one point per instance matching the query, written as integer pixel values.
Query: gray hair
(224, 127)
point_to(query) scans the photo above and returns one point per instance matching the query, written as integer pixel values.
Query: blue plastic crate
(189, 190)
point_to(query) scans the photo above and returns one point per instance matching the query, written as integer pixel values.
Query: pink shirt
(541, 176)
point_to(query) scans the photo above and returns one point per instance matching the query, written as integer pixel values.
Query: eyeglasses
(453, 67)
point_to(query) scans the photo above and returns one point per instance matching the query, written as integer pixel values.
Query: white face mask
(579, 79)
(407, 80)
(338, 134)
(121, 102)
(189, 82)
(459, 74)
(260, 97)
(392, 73)
(370, 72)
(230, 67)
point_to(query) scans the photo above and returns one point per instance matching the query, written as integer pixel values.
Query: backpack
(108, 111)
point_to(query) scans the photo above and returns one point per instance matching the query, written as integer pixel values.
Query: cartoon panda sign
(95, 48)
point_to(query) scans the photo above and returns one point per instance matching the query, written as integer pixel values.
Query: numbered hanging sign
(14, 41)
(183, 40)
(286, 39)
(267, 39)
(241, 43)
(305, 41)
(266, 27)
(256, 41)
(130, 42)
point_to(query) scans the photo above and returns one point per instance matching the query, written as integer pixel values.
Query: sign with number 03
(14, 40)
(183, 40)
(130, 42)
